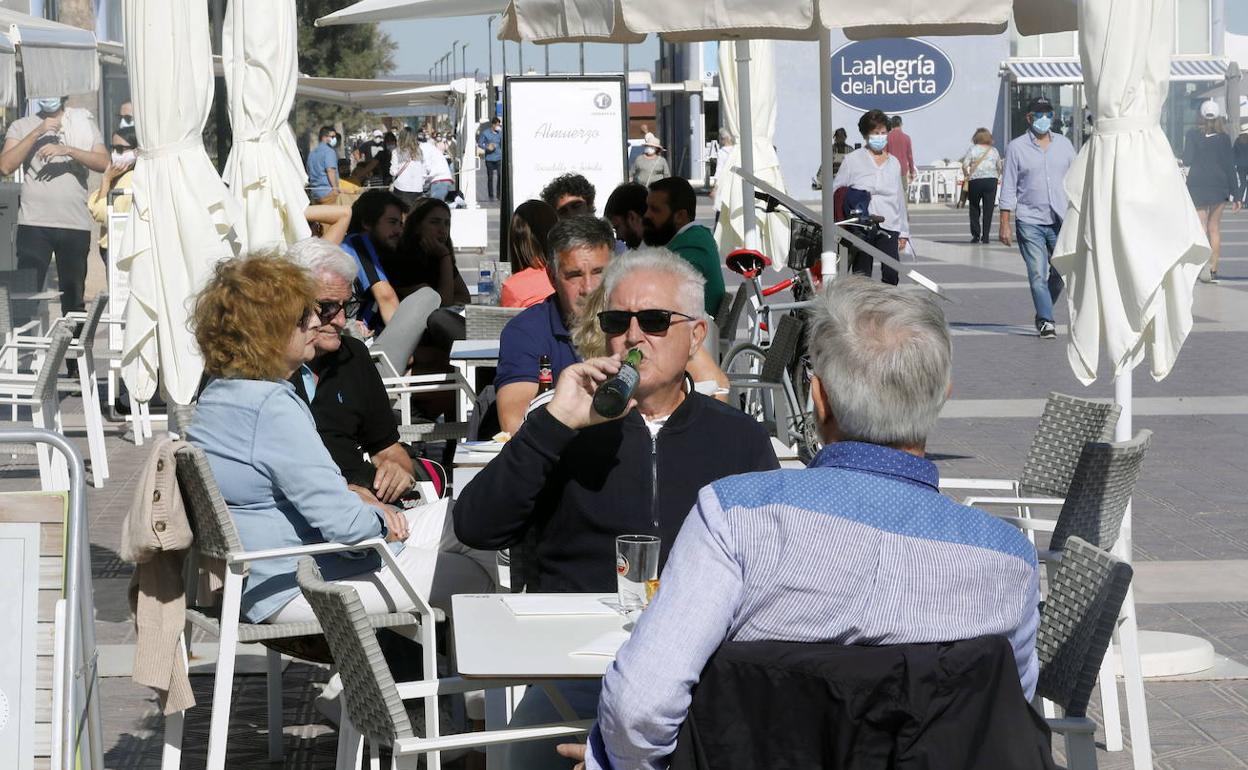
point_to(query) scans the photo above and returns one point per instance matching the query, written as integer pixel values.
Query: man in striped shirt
(859, 548)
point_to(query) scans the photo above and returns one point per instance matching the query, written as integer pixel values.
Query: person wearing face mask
(872, 169)
(651, 166)
(1032, 192)
(323, 168)
(116, 177)
(57, 147)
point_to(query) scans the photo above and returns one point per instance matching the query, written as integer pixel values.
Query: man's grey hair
(725, 135)
(691, 285)
(577, 233)
(317, 255)
(885, 359)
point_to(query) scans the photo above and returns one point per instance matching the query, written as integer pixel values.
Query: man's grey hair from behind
(656, 259)
(577, 233)
(317, 255)
(885, 359)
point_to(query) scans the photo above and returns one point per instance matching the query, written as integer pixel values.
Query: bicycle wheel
(747, 359)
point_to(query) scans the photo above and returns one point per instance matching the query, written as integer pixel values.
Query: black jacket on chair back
(784, 706)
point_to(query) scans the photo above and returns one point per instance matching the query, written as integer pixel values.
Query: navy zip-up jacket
(564, 495)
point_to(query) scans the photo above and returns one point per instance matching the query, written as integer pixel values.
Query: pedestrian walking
(1210, 160)
(407, 167)
(1032, 192)
(981, 167)
(651, 166)
(874, 170)
(491, 144)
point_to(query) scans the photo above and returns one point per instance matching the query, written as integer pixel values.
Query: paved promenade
(1191, 510)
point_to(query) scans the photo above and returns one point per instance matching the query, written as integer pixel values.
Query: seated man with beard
(579, 249)
(671, 208)
(373, 238)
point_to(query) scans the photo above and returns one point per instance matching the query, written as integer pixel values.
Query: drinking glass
(636, 569)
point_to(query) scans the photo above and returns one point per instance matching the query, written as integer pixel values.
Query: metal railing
(75, 696)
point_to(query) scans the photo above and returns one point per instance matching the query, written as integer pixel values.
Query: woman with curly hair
(254, 322)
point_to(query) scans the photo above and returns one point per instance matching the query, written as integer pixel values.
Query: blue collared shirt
(320, 161)
(537, 331)
(1032, 185)
(859, 548)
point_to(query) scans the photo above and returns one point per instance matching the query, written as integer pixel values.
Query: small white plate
(493, 447)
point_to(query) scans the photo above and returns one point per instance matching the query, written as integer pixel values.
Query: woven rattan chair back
(372, 699)
(783, 347)
(1065, 426)
(6, 312)
(725, 304)
(215, 534)
(86, 334)
(483, 322)
(45, 380)
(727, 324)
(1097, 499)
(1086, 592)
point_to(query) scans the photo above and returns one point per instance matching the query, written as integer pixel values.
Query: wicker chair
(374, 702)
(727, 323)
(1086, 594)
(217, 538)
(37, 392)
(757, 379)
(486, 322)
(1065, 426)
(85, 383)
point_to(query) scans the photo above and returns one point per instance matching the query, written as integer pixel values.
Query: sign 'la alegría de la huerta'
(890, 74)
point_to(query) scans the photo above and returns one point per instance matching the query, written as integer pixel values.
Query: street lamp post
(463, 55)
(520, 48)
(546, 49)
(489, 44)
(451, 72)
(582, 47)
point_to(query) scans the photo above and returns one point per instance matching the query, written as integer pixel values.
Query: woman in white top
(873, 170)
(981, 166)
(407, 168)
(439, 179)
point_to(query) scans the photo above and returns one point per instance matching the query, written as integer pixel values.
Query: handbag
(966, 182)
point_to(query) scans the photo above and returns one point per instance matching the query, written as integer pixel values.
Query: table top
(491, 641)
(474, 350)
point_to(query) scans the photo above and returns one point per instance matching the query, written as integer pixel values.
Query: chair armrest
(1015, 502)
(1009, 485)
(375, 544)
(492, 737)
(1039, 525)
(1077, 725)
(453, 685)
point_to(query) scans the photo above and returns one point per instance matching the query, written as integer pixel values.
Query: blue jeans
(535, 709)
(1037, 242)
(440, 189)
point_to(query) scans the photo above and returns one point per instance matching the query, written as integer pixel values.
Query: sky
(416, 54)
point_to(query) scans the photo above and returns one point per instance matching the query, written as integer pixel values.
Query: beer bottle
(611, 398)
(544, 379)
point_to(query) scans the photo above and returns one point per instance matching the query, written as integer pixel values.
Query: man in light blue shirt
(859, 548)
(323, 168)
(1032, 191)
(491, 143)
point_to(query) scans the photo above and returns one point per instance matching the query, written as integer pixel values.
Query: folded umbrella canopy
(182, 219)
(261, 61)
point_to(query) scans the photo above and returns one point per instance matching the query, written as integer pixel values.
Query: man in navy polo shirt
(579, 249)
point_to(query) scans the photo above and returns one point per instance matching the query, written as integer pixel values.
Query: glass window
(1191, 27)
(1058, 44)
(1027, 46)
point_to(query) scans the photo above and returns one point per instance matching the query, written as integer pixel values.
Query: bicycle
(772, 381)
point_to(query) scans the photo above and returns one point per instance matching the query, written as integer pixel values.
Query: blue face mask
(877, 142)
(49, 105)
(1041, 124)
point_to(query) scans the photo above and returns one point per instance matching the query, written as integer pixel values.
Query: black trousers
(35, 248)
(862, 263)
(982, 196)
(491, 178)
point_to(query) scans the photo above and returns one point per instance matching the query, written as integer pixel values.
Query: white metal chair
(217, 538)
(37, 391)
(374, 702)
(82, 351)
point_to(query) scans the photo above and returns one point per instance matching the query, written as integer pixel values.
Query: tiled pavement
(1192, 502)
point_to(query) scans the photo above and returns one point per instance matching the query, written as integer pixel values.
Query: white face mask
(129, 156)
(651, 151)
(333, 141)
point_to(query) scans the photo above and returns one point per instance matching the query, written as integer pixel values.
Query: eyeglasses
(1048, 114)
(327, 310)
(651, 321)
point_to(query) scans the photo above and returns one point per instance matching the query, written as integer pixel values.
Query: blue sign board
(890, 74)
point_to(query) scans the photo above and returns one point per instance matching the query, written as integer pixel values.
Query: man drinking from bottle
(570, 480)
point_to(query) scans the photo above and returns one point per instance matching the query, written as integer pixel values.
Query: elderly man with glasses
(569, 482)
(859, 548)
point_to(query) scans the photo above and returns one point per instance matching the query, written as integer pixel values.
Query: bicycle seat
(747, 262)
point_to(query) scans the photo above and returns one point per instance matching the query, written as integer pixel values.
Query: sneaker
(1048, 331)
(1213, 276)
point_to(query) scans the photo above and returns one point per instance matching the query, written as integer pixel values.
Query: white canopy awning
(372, 94)
(396, 10)
(57, 59)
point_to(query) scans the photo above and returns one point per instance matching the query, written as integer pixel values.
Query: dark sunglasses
(1048, 114)
(650, 321)
(327, 310)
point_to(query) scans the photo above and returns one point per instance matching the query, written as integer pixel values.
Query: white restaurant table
(491, 642)
(466, 357)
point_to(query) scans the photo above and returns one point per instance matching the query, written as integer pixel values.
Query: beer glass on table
(636, 569)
